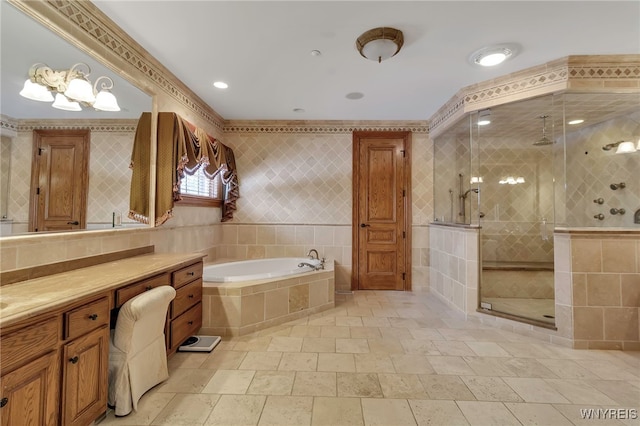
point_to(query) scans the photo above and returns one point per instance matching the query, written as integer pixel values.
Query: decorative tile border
(319, 127)
(98, 125)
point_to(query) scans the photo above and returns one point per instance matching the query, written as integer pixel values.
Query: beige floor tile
(359, 311)
(237, 410)
(305, 331)
(535, 390)
(568, 369)
(411, 364)
(303, 361)
(285, 344)
(416, 346)
(187, 409)
(335, 332)
(287, 410)
(426, 334)
(224, 360)
(385, 346)
(490, 389)
(359, 384)
(229, 381)
(387, 412)
(453, 365)
(261, 361)
(453, 348)
(528, 367)
(437, 413)
(374, 363)
(395, 333)
(403, 321)
(488, 349)
(349, 321)
(149, 406)
(272, 383)
(337, 412)
(187, 360)
(375, 321)
(365, 332)
(537, 414)
(322, 320)
(352, 346)
(336, 362)
(484, 413)
(489, 366)
(383, 312)
(608, 370)
(579, 392)
(315, 384)
(186, 380)
(446, 387)
(319, 344)
(624, 393)
(252, 344)
(401, 386)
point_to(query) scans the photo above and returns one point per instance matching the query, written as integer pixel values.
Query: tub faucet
(311, 255)
(303, 264)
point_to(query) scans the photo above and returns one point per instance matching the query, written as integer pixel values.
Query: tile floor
(389, 358)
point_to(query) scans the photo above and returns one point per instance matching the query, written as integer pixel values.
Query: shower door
(516, 204)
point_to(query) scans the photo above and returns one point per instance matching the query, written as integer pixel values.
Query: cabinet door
(85, 370)
(30, 393)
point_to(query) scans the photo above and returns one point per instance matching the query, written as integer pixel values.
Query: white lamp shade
(63, 103)
(625, 148)
(80, 89)
(380, 49)
(36, 92)
(106, 101)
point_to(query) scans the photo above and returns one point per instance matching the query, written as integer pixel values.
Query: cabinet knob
(190, 296)
(190, 323)
(93, 317)
(191, 273)
(3, 402)
(74, 360)
(148, 287)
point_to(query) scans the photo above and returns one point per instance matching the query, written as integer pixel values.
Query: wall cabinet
(54, 367)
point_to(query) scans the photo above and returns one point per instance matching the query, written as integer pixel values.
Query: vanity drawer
(186, 275)
(186, 296)
(186, 325)
(126, 293)
(29, 342)
(86, 318)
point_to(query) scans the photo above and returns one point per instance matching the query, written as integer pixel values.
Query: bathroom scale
(200, 344)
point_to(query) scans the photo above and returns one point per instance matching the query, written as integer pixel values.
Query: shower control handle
(617, 211)
(599, 201)
(599, 216)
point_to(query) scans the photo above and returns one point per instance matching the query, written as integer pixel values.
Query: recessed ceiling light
(316, 53)
(298, 110)
(578, 121)
(484, 117)
(493, 55)
(354, 96)
(220, 85)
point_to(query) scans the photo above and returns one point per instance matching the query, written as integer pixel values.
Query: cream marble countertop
(29, 298)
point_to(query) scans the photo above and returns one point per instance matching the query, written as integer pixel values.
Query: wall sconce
(476, 179)
(510, 180)
(380, 43)
(71, 87)
(623, 147)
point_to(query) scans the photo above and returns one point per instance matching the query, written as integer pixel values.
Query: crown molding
(322, 127)
(109, 125)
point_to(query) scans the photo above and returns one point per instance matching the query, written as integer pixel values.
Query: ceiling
(262, 49)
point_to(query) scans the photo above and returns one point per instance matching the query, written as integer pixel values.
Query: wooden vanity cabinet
(186, 309)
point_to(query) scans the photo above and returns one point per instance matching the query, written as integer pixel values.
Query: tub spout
(314, 267)
(310, 254)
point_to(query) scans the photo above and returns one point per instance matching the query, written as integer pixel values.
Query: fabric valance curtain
(182, 148)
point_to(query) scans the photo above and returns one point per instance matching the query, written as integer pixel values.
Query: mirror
(25, 42)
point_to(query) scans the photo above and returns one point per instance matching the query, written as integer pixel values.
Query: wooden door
(30, 393)
(381, 209)
(59, 180)
(85, 369)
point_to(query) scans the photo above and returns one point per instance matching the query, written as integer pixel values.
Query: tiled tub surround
(235, 309)
(601, 275)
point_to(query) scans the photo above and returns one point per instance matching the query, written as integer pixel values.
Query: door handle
(364, 225)
(75, 222)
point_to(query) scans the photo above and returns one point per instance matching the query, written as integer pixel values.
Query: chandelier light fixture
(71, 87)
(380, 43)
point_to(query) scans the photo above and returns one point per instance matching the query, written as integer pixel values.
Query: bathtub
(258, 269)
(246, 296)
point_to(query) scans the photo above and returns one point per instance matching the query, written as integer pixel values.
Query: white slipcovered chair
(137, 352)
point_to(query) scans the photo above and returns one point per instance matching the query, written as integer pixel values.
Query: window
(199, 190)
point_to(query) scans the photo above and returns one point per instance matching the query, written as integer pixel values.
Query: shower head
(544, 140)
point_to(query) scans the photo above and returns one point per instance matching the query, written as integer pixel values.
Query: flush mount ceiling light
(484, 117)
(493, 55)
(72, 88)
(576, 121)
(220, 85)
(380, 43)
